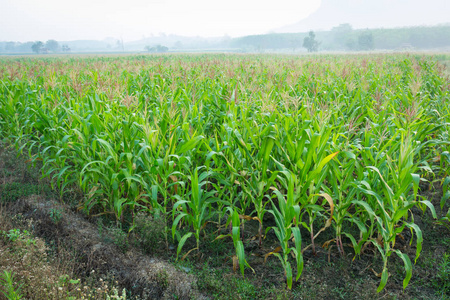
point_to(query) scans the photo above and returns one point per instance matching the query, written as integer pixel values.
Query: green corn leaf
(241, 256)
(384, 278)
(430, 206)
(288, 271)
(189, 145)
(182, 241)
(419, 237)
(408, 267)
(176, 221)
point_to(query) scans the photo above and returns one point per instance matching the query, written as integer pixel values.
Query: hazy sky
(24, 20)
(30, 20)
(373, 14)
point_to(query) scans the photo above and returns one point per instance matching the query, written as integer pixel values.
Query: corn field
(312, 144)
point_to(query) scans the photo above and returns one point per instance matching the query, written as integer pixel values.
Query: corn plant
(287, 217)
(343, 140)
(196, 209)
(390, 200)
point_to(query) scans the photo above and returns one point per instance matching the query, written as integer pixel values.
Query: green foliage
(343, 37)
(365, 41)
(441, 282)
(37, 47)
(15, 234)
(10, 289)
(149, 231)
(119, 237)
(52, 45)
(310, 42)
(325, 142)
(11, 192)
(55, 215)
(157, 49)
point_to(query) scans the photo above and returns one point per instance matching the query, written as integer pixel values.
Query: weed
(15, 234)
(115, 295)
(149, 232)
(11, 192)
(11, 290)
(120, 238)
(162, 278)
(441, 282)
(55, 215)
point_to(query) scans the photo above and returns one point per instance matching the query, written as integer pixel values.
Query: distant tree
(178, 45)
(365, 41)
(52, 45)
(65, 48)
(310, 42)
(37, 47)
(119, 44)
(160, 48)
(341, 34)
(9, 46)
(157, 48)
(345, 27)
(294, 43)
(350, 44)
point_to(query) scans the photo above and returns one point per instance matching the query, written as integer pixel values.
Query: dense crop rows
(319, 143)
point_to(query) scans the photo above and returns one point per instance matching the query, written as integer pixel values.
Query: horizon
(164, 35)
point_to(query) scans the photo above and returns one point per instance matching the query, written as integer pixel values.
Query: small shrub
(55, 215)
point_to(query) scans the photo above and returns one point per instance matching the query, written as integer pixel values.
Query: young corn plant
(196, 209)
(343, 174)
(239, 258)
(306, 157)
(287, 216)
(391, 191)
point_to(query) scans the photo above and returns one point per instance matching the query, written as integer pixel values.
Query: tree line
(49, 46)
(339, 38)
(345, 38)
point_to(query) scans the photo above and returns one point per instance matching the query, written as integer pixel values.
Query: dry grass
(40, 275)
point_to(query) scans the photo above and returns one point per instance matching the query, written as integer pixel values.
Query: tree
(52, 45)
(350, 44)
(37, 47)
(9, 46)
(310, 42)
(65, 48)
(178, 45)
(341, 34)
(158, 49)
(365, 41)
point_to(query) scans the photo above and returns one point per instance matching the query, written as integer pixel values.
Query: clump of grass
(441, 281)
(119, 237)
(149, 232)
(11, 289)
(13, 191)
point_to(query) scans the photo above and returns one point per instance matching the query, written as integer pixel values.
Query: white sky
(29, 20)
